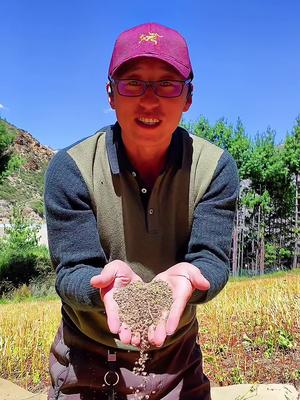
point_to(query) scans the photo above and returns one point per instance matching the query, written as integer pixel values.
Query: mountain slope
(23, 184)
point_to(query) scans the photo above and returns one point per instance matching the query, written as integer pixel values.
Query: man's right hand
(115, 275)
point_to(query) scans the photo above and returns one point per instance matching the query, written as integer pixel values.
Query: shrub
(43, 285)
(10, 164)
(277, 257)
(6, 138)
(38, 207)
(21, 257)
(21, 232)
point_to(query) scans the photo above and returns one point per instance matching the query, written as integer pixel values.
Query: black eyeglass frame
(147, 84)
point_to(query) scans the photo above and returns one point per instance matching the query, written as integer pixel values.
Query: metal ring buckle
(117, 378)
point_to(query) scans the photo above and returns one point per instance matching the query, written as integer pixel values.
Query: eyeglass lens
(161, 88)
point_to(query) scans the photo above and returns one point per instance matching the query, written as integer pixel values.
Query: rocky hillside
(22, 181)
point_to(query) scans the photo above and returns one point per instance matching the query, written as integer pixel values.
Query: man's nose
(149, 96)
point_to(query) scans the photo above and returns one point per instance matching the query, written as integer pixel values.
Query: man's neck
(149, 162)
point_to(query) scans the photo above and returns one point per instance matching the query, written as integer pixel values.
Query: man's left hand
(183, 278)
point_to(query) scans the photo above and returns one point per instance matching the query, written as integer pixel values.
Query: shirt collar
(116, 153)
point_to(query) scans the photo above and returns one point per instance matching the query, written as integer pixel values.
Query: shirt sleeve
(73, 237)
(210, 242)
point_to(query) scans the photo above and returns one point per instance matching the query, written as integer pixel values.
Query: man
(138, 201)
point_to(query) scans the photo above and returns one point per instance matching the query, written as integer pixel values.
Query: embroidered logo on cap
(151, 37)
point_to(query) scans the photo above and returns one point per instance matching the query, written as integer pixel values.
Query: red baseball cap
(152, 40)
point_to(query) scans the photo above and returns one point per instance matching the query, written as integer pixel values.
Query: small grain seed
(141, 305)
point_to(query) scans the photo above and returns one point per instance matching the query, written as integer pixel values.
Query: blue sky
(55, 56)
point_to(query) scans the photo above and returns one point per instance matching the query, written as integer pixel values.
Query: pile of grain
(140, 306)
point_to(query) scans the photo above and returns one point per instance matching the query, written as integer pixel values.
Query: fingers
(135, 338)
(116, 270)
(160, 334)
(198, 281)
(157, 335)
(151, 331)
(176, 311)
(128, 337)
(125, 334)
(112, 312)
(106, 277)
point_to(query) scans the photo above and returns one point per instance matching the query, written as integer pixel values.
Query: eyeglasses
(136, 87)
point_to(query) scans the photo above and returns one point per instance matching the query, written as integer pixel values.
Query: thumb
(103, 280)
(198, 280)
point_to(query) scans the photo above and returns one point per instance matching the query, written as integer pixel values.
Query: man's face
(149, 119)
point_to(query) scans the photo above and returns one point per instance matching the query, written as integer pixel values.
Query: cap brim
(182, 69)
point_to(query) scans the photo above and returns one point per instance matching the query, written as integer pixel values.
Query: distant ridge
(24, 187)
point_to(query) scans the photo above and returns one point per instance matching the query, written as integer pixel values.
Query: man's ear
(189, 98)
(110, 95)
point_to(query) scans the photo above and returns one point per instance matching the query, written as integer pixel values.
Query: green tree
(6, 138)
(21, 257)
(8, 162)
(224, 135)
(267, 201)
(239, 147)
(292, 149)
(292, 158)
(266, 167)
(21, 233)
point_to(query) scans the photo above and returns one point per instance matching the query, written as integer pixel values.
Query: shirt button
(133, 174)
(151, 211)
(144, 190)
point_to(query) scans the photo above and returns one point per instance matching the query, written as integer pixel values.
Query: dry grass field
(250, 333)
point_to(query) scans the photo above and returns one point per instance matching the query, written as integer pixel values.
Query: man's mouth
(148, 121)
